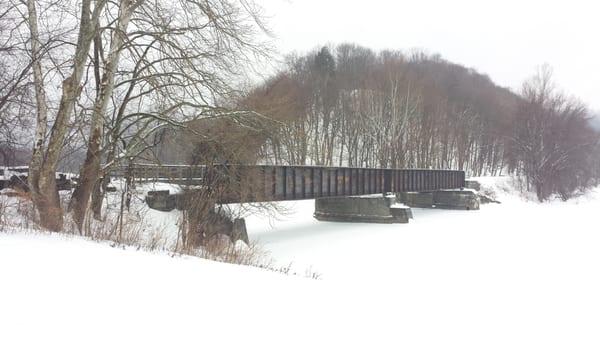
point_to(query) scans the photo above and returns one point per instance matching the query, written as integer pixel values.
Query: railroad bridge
(341, 193)
(279, 183)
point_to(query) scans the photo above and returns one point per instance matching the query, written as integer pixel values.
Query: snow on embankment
(58, 286)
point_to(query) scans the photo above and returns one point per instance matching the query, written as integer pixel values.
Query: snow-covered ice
(519, 268)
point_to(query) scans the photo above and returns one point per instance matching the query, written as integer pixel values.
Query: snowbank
(58, 286)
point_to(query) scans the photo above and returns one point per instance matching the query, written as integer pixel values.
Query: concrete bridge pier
(367, 208)
(213, 222)
(391, 208)
(443, 199)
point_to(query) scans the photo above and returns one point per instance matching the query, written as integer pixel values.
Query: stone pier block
(416, 199)
(401, 212)
(445, 199)
(239, 231)
(473, 184)
(161, 200)
(456, 199)
(371, 208)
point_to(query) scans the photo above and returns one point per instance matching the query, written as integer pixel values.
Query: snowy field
(516, 269)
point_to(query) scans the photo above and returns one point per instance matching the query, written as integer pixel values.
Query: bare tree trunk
(43, 182)
(90, 171)
(42, 110)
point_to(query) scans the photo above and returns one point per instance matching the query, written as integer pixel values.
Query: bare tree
(90, 170)
(554, 140)
(165, 64)
(173, 69)
(45, 155)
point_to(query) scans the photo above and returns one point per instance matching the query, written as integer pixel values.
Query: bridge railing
(176, 174)
(272, 182)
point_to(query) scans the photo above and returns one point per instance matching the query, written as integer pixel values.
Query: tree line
(351, 106)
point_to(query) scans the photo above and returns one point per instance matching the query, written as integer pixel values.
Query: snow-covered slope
(58, 286)
(515, 269)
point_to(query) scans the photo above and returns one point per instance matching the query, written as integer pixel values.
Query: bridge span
(249, 183)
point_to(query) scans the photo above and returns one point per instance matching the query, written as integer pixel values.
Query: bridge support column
(443, 199)
(161, 200)
(370, 208)
(208, 221)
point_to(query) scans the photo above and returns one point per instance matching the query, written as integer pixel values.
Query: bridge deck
(275, 183)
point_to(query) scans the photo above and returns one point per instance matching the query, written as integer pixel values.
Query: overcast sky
(505, 39)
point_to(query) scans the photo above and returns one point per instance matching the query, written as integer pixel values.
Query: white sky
(505, 39)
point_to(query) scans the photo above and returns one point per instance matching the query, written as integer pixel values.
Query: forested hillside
(349, 105)
(353, 106)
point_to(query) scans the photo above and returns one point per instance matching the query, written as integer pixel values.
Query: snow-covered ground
(515, 269)
(519, 268)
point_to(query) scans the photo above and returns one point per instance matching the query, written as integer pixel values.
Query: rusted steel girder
(253, 183)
